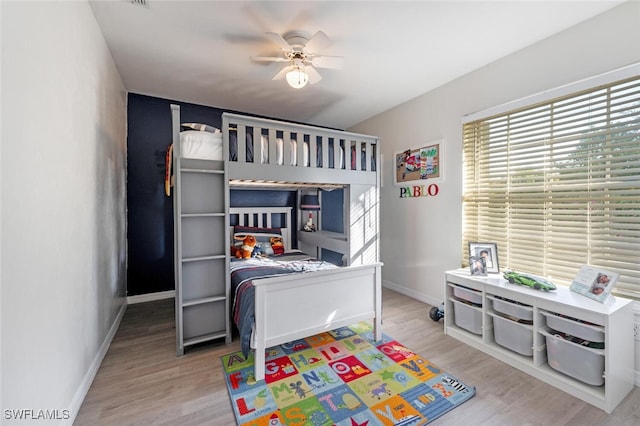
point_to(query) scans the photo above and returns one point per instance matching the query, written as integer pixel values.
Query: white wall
(421, 237)
(63, 205)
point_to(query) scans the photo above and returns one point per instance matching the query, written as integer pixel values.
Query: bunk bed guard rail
(303, 153)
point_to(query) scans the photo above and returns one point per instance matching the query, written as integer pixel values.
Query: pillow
(201, 127)
(263, 235)
(202, 145)
(266, 249)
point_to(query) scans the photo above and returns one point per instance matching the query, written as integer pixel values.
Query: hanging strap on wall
(167, 171)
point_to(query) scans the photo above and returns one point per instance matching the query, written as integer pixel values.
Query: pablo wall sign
(416, 170)
(430, 190)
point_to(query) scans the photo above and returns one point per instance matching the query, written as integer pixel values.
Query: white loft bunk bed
(291, 156)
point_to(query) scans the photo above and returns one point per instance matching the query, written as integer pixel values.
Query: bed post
(259, 363)
(377, 321)
(259, 333)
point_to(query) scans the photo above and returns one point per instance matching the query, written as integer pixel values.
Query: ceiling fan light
(297, 78)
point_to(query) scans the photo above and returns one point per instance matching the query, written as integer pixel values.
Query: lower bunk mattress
(244, 271)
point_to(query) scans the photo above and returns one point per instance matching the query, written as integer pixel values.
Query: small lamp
(297, 78)
(310, 203)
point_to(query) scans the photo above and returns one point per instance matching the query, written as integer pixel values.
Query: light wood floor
(142, 382)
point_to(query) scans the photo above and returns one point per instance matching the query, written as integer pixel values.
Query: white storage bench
(574, 343)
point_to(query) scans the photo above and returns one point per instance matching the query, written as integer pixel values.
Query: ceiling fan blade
(316, 43)
(333, 62)
(314, 76)
(267, 59)
(281, 42)
(282, 73)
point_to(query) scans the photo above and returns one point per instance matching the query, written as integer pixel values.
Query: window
(557, 184)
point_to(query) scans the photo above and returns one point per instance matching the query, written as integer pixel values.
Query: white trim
(587, 83)
(151, 297)
(411, 293)
(636, 319)
(83, 389)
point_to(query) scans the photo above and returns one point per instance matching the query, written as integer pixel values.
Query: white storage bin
(512, 309)
(591, 333)
(467, 317)
(513, 335)
(468, 294)
(581, 362)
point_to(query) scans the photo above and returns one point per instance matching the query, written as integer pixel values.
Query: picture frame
(594, 283)
(487, 253)
(419, 164)
(477, 266)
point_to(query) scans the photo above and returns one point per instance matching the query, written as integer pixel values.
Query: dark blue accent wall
(149, 210)
(332, 220)
(268, 198)
(332, 208)
(332, 257)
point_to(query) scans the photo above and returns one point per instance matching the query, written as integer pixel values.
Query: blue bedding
(244, 271)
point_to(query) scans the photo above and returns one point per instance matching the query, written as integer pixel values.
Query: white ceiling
(198, 51)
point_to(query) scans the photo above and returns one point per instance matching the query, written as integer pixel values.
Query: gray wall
(63, 204)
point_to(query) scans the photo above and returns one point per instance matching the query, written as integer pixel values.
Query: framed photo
(477, 266)
(594, 283)
(415, 165)
(488, 253)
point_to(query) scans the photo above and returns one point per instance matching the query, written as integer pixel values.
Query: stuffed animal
(277, 245)
(265, 249)
(309, 226)
(246, 249)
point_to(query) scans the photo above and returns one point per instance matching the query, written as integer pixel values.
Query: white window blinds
(557, 185)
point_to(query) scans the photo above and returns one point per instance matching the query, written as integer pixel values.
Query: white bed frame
(296, 306)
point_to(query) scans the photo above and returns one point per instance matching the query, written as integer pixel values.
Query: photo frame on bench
(594, 283)
(483, 254)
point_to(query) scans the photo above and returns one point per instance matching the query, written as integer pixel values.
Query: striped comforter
(244, 271)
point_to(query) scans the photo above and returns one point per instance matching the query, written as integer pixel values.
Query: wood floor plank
(142, 382)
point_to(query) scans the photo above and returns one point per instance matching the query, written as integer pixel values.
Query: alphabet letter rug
(341, 377)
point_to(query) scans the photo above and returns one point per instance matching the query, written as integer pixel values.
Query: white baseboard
(151, 297)
(411, 293)
(81, 393)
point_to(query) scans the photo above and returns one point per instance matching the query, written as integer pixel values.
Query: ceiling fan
(301, 52)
